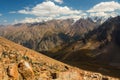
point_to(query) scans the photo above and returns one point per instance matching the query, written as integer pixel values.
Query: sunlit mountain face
(83, 34)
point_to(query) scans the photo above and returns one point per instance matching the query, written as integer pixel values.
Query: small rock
(70, 75)
(54, 75)
(13, 71)
(12, 56)
(26, 70)
(105, 78)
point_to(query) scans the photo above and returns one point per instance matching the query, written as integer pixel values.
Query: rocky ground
(20, 63)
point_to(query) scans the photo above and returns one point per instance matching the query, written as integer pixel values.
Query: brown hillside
(20, 63)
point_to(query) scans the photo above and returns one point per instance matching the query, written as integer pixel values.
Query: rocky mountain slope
(20, 63)
(82, 26)
(46, 36)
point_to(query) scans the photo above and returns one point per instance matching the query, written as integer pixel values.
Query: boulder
(26, 70)
(13, 71)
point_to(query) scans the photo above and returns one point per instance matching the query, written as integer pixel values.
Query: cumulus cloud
(59, 1)
(104, 14)
(49, 10)
(32, 20)
(40, 19)
(105, 9)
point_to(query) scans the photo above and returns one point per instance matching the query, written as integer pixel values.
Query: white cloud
(59, 1)
(104, 14)
(40, 19)
(49, 10)
(105, 7)
(32, 20)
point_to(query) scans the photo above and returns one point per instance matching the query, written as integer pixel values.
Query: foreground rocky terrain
(20, 63)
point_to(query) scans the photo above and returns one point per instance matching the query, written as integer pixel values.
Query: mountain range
(89, 44)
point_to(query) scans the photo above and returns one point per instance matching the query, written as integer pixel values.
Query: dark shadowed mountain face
(108, 34)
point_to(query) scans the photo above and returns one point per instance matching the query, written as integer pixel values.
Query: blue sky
(15, 11)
